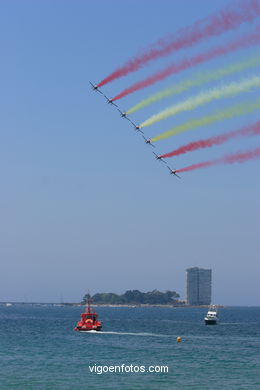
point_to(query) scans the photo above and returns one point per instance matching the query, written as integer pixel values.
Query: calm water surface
(40, 350)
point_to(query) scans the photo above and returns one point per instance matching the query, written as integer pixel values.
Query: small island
(135, 297)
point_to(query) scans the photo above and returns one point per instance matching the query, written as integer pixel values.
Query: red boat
(89, 320)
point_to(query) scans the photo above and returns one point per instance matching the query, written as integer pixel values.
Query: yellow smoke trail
(199, 79)
(203, 98)
(236, 110)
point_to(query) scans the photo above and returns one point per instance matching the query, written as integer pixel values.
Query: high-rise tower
(198, 286)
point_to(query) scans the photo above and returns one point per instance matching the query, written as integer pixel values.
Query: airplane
(95, 87)
(148, 141)
(159, 157)
(137, 127)
(173, 172)
(123, 114)
(110, 101)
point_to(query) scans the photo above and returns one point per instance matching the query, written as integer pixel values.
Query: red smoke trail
(230, 159)
(217, 140)
(224, 20)
(187, 63)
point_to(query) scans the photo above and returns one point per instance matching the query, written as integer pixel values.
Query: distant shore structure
(198, 286)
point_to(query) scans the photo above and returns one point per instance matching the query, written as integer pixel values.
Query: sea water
(40, 350)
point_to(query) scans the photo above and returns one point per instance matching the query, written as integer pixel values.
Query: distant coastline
(75, 304)
(153, 305)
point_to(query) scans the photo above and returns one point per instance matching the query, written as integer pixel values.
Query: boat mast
(88, 308)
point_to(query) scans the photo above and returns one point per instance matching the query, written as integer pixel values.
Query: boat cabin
(89, 320)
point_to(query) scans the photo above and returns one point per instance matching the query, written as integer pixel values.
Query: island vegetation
(135, 297)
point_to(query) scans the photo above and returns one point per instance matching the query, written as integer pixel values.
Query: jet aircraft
(148, 141)
(159, 157)
(95, 87)
(123, 114)
(110, 101)
(137, 127)
(173, 172)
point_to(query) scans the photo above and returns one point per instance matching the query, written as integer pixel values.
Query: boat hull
(81, 329)
(210, 322)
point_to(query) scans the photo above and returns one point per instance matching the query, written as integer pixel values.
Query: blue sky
(84, 205)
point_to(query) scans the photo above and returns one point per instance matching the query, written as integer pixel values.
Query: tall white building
(199, 286)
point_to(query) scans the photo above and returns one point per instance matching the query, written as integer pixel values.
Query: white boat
(8, 304)
(212, 316)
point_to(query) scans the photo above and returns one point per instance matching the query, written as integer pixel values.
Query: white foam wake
(128, 333)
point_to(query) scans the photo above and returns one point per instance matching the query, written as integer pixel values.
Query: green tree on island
(135, 297)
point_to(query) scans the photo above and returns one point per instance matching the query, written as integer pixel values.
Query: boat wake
(128, 333)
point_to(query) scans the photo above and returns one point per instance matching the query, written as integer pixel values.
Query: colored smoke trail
(240, 157)
(216, 24)
(217, 140)
(241, 43)
(230, 112)
(224, 91)
(198, 79)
